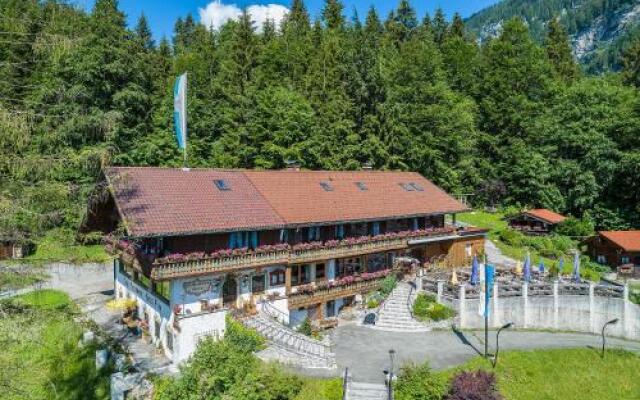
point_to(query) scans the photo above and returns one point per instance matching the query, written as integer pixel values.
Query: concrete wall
(581, 313)
(194, 328)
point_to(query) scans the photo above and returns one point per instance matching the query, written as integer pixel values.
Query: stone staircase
(288, 346)
(366, 391)
(395, 315)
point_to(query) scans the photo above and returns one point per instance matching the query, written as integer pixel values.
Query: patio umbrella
(519, 268)
(560, 266)
(541, 266)
(576, 267)
(527, 268)
(454, 278)
(474, 271)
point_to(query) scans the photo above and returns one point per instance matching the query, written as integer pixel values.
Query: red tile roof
(626, 240)
(546, 215)
(165, 201)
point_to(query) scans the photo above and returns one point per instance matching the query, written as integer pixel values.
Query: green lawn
(17, 278)
(59, 245)
(574, 374)
(496, 222)
(40, 357)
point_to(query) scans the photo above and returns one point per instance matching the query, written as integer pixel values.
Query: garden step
(366, 391)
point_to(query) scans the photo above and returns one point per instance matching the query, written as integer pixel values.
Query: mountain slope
(600, 29)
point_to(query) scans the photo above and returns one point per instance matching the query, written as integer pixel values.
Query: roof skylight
(362, 186)
(326, 186)
(221, 184)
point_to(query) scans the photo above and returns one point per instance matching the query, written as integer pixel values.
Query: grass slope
(574, 374)
(40, 357)
(59, 245)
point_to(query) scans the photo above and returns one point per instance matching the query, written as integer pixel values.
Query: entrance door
(229, 292)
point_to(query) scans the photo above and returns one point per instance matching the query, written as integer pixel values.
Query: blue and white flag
(180, 110)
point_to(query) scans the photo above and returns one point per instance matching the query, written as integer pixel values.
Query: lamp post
(613, 321)
(505, 326)
(389, 375)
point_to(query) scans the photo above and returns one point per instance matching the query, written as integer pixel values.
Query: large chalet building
(199, 243)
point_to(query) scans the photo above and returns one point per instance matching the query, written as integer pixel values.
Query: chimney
(292, 165)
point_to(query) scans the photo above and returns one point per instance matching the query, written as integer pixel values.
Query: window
(162, 288)
(407, 187)
(468, 249)
(375, 228)
(258, 283)
(602, 259)
(284, 236)
(362, 186)
(169, 340)
(417, 187)
(313, 233)
(277, 278)
(243, 239)
(221, 184)
(326, 186)
(340, 231)
(320, 271)
(624, 259)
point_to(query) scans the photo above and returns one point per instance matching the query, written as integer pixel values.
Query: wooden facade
(606, 252)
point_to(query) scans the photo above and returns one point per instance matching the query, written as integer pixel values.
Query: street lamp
(613, 321)
(389, 375)
(505, 326)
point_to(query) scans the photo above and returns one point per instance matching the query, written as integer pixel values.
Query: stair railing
(412, 287)
(345, 384)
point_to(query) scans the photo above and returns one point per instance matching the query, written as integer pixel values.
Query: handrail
(345, 383)
(409, 303)
(271, 307)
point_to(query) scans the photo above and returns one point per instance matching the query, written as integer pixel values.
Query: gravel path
(495, 256)
(365, 350)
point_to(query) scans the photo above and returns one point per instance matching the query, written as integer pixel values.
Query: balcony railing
(321, 295)
(198, 264)
(168, 270)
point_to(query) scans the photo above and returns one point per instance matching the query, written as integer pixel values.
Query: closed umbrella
(454, 278)
(560, 267)
(474, 271)
(526, 270)
(576, 267)
(541, 266)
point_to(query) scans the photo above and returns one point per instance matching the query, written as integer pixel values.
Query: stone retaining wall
(554, 305)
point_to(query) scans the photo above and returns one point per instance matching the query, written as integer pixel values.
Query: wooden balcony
(345, 251)
(173, 270)
(164, 270)
(330, 293)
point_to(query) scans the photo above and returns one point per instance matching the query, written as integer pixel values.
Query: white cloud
(215, 14)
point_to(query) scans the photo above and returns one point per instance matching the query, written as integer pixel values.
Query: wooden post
(287, 280)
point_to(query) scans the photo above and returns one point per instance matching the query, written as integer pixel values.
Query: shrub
(440, 312)
(245, 339)
(305, 327)
(417, 382)
(575, 227)
(372, 302)
(479, 385)
(426, 308)
(511, 237)
(388, 284)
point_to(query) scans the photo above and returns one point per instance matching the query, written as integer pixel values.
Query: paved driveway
(365, 350)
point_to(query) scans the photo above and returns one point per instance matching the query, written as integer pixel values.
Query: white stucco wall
(194, 328)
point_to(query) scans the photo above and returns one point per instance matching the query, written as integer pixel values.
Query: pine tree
(332, 14)
(559, 52)
(440, 26)
(631, 64)
(143, 32)
(457, 26)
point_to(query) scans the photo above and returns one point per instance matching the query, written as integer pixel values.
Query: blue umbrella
(474, 271)
(526, 269)
(541, 266)
(560, 266)
(576, 267)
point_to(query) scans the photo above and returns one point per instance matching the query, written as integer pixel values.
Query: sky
(163, 14)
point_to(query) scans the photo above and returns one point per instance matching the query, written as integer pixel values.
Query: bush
(479, 385)
(440, 312)
(417, 382)
(575, 227)
(511, 237)
(372, 302)
(305, 327)
(241, 337)
(387, 285)
(426, 308)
